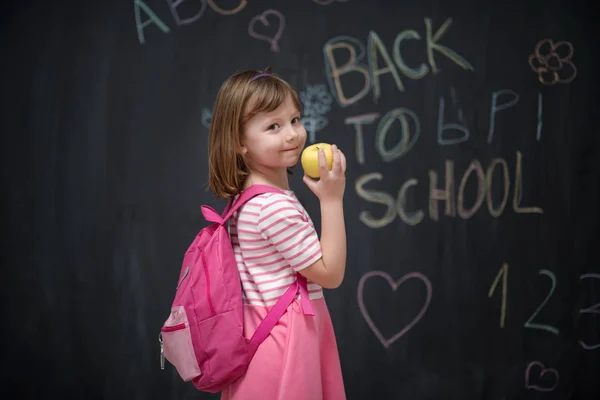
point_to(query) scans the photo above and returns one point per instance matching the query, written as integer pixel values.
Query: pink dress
(274, 238)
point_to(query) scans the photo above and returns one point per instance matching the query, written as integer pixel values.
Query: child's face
(274, 140)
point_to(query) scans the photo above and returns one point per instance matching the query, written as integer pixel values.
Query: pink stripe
(290, 218)
(253, 233)
(245, 239)
(297, 242)
(243, 221)
(260, 255)
(277, 296)
(284, 286)
(266, 246)
(278, 211)
(251, 290)
(275, 279)
(279, 200)
(304, 249)
(266, 264)
(282, 229)
(295, 233)
(303, 262)
(260, 301)
(270, 272)
(248, 212)
(259, 201)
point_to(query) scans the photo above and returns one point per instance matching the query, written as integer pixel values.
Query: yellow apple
(310, 158)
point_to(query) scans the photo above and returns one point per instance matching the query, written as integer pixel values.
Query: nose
(291, 133)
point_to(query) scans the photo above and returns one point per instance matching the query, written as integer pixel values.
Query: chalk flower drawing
(316, 102)
(553, 62)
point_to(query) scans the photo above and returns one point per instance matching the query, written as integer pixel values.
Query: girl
(255, 136)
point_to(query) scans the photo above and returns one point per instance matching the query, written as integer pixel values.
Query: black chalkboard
(472, 203)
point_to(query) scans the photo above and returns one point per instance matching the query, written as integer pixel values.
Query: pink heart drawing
(541, 375)
(328, 2)
(263, 19)
(395, 285)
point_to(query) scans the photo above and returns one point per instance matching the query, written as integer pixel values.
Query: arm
(329, 270)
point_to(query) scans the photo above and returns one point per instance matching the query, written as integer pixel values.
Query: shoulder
(275, 201)
(278, 206)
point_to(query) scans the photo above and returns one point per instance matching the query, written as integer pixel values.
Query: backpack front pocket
(177, 344)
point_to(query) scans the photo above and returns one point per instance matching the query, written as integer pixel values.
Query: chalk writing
(372, 71)
(222, 11)
(138, 6)
(395, 285)
(446, 195)
(432, 44)
(409, 122)
(173, 6)
(518, 192)
(358, 122)
(552, 62)
(262, 18)
(378, 197)
(316, 102)
(551, 380)
(594, 309)
(375, 46)
(333, 71)
(410, 125)
(495, 108)
(532, 325)
(489, 176)
(407, 141)
(409, 218)
(453, 203)
(327, 2)
(466, 213)
(445, 126)
(205, 117)
(503, 273)
(411, 73)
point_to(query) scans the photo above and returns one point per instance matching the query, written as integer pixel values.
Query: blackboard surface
(472, 203)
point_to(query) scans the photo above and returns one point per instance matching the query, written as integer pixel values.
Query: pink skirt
(298, 361)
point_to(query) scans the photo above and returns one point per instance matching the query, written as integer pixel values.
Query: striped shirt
(273, 238)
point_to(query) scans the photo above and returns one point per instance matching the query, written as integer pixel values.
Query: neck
(277, 179)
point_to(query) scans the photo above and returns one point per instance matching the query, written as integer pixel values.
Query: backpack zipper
(208, 295)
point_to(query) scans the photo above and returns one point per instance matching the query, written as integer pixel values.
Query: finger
(323, 170)
(308, 181)
(336, 167)
(343, 161)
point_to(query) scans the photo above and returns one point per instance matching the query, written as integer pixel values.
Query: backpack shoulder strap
(268, 323)
(246, 195)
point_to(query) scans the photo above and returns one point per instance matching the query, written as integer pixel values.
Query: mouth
(295, 148)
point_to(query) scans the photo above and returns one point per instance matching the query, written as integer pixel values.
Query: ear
(242, 150)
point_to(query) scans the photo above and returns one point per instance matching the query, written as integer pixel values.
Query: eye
(273, 127)
(296, 120)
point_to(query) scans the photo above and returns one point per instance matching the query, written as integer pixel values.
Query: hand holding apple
(327, 163)
(310, 158)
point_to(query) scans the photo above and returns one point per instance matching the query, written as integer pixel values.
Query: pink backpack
(204, 334)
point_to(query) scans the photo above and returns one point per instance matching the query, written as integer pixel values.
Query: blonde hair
(239, 99)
